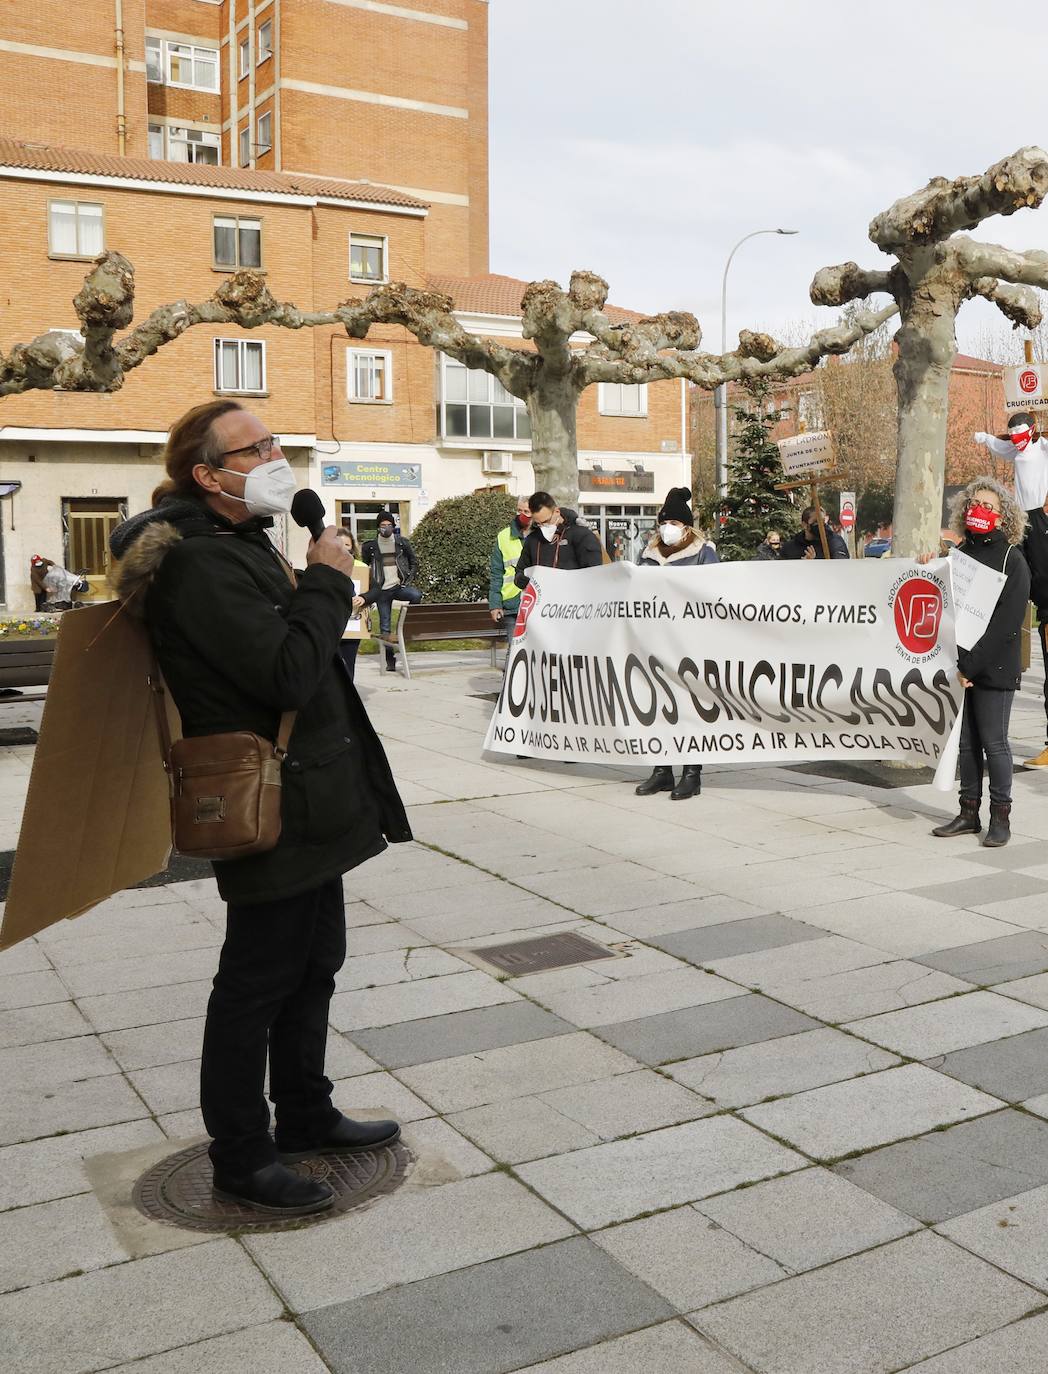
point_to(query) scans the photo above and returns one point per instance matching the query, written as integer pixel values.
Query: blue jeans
(984, 736)
(384, 601)
(509, 624)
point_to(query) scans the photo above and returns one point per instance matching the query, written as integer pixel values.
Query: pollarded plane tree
(937, 269)
(575, 345)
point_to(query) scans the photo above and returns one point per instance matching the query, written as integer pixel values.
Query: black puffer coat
(576, 546)
(238, 645)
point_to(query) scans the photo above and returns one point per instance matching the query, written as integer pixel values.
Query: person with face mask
(556, 538)
(393, 568)
(770, 547)
(676, 543)
(503, 593)
(989, 518)
(807, 543)
(1024, 447)
(241, 641)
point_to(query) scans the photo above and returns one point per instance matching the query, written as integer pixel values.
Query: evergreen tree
(752, 506)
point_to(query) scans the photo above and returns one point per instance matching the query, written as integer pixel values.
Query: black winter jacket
(796, 546)
(576, 546)
(407, 563)
(1035, 547)
(238, 645)
(994, 660)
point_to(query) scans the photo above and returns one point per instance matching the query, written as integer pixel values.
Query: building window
(244, 52)
(809, 409)
(190, 66)
(617, 398)
(240, 365)
(245, 145)
(237, 241)
(369, 375)
(74, 229)
(265, 133)
(173, 143)
(475, 405)
(155, 61)
(367, 257)
(265, 40)
(362, 517)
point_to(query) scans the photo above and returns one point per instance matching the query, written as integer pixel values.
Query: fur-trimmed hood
(141, 544)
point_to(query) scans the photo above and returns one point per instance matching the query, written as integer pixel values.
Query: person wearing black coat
(556, 539)
(992, 524)
(806, 543)
(1035, 547)
(393, 566)
(238, 644)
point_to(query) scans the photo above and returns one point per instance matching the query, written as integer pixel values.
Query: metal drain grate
(178, 1189)
(544, 952)
(18, 734)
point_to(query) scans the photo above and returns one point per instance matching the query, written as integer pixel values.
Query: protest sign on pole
(807, 454)
(1026, 387)
(742, 662)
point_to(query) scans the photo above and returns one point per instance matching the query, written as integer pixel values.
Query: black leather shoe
(275, 1189)
(690, 783)
(659, 780)
(347, 1137)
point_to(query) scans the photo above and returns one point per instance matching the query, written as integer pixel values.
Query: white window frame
(243, 58)
(353, 357)
(155, 45)
(236, 265)
(495, 395)
(375, 238)
(609, 400)
(77, 256)
(244, 143)
(265, 52)
(264, 141)
(167, 48)
(166, 142)
(242, 346)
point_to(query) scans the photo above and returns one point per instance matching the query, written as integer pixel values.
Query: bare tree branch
(943, 207)
(847, 282)
(991, 260)
(1019, 304)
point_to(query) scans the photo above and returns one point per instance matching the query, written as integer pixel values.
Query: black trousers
(349, 648)
(271, 995)
(984, 743)
(1042, 630)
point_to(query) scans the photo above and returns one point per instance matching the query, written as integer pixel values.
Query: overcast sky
(642, 140)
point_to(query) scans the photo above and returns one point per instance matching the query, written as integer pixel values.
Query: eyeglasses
(263, 448)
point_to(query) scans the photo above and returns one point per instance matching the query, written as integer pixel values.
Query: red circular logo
(918, 612)
(1029, 381)
(527, 604)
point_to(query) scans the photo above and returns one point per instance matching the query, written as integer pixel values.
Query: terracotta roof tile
(498, 295)
(46, 158)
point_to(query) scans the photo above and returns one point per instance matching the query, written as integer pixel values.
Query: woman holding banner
(992, 524)
(676, 544)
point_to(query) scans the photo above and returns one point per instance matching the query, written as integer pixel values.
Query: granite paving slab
(462, 1032)
(867, 991)
(351, 1011)
(828, 1122)
(688, 1258)
(946, 1173)
(1021, 1348)
(670, 1346)
(807, 1219)
(706, 943)
(975, 893)
(42, 1170)
(436, 1230)
(774, 1068)
(662, 919)
(273, 1348)
(490, 1318)
(1011, 1233)
(34, 1025)
(993, 960)
(628, 998)
(1032, 990)
(53, 1240)
(956, 1023)
(906, 925)
(870, 1314)
(146, 1006)
(674, 1035)
(818, 958)
(523, 1129)
(618, 1181)
(1012, 1069)
(26, 1113)
(630, 1102)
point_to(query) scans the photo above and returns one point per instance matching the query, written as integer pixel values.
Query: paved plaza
(798, 1124)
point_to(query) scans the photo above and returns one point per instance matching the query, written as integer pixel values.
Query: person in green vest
(503, 593)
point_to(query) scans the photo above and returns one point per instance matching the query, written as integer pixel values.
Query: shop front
(623, 526)
(355, 493)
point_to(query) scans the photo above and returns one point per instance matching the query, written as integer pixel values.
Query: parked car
(876, 548)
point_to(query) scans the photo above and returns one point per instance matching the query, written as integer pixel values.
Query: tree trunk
(553, 409)
(927, 347)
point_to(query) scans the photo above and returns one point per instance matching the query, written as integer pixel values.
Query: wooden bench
(25, 663)
(441, 620)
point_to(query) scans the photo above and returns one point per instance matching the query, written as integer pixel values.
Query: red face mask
(981, 519)
(1020, 436)
(524, 520)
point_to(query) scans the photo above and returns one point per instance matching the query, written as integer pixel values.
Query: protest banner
(805, 455)
(741, 662)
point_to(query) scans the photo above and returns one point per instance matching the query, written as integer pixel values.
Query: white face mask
(268, 489)
(548, 532)
(671, 534)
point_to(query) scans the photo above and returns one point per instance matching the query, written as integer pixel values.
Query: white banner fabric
(739, 662)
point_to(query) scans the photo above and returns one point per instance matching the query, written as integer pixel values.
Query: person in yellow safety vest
(503, 593)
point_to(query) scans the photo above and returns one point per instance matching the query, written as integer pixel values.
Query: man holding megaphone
(279, 778)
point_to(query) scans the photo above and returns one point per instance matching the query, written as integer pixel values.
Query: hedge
(453, 542)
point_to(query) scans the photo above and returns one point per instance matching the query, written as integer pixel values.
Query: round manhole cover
(178, 1189)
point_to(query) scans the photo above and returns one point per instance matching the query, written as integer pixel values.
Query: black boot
(661, 780)
(346, 1137)
(275, 1189)
(999, 831)
(391, 661)
(690, 783)
(966, 822)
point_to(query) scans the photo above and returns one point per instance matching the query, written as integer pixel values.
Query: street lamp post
(720, 396)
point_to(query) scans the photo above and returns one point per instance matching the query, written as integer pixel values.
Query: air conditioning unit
(497, 462)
